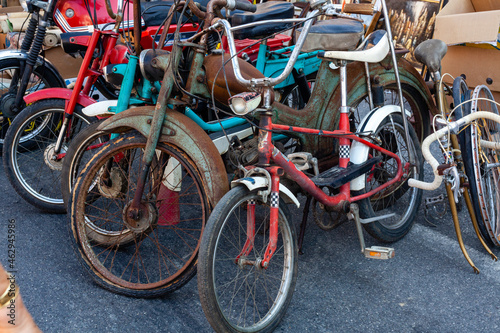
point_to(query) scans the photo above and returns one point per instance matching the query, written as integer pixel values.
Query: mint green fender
(185, 134)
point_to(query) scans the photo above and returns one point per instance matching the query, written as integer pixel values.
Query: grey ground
(427, 287)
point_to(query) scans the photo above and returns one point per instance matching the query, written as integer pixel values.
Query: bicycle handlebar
(439, 134)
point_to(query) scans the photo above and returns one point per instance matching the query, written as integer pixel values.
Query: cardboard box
(65, 64)
(471, 22)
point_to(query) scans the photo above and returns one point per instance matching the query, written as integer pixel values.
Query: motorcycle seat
(340, 34)
(153, 13)
(272, 10)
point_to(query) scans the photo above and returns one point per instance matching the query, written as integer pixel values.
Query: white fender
(99, 108)
(173, 175)
(222, 143)
(253, 183)
(359, 152)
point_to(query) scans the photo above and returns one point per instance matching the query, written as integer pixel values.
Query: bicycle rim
(158, 253)
(251, 298)
(487, 179)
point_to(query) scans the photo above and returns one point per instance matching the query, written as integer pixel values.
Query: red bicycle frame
(269, 153)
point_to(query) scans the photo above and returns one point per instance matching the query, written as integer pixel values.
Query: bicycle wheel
(461, 94)
(419, 118)
(28, 161)
(156, 253)
(83, 146)
(396, 206)
(485, 163)
(237, 295)
(292, 97)
(40, 78)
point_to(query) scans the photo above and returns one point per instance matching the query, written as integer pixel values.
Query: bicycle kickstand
(373, 252)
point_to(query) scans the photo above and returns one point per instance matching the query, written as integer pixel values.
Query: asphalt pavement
(427, 287)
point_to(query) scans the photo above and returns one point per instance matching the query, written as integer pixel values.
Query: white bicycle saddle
(373, 49)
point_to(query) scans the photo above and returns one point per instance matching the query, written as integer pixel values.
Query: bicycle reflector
(244, 103)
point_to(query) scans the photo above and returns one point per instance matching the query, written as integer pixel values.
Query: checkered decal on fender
(251, 202)
(274, 199)
(344, 151)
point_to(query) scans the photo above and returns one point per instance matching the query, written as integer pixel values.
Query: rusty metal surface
(185, 134)
(212, 65)
(196, 80)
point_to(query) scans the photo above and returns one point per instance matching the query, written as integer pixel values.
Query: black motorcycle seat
(153, 13)
(271, 10)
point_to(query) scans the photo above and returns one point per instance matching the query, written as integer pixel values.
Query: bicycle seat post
(344, 144)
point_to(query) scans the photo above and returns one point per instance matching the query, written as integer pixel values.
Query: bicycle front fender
(183, 133)
(59, 93)
(253, 183)
(359, 151)
(40, 61)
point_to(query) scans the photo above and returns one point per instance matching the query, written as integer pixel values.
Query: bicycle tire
(27, 161)
(461, 94)
(413, 103)
(398, 200)
(77, 156)
(291, 95)
(487, 180)
(270, 302)
(172, 234)
(46, 79)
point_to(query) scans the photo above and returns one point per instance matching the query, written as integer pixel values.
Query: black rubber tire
(50, 80)
(468, 142)
(402, 201)
(34, 178)
(176, 243)
(414, 102)
(461, 93)
(209, 266)
(487, 179)
(291, 95)
(106, 89)
(77, 156)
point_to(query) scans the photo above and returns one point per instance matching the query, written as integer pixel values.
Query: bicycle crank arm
(374, 252)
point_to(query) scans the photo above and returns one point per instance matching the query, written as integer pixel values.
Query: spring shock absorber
(212, 42)
(30, 33)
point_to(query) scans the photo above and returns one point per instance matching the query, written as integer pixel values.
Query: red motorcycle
(25, 70)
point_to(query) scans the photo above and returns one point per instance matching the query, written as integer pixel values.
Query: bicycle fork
(275, 173)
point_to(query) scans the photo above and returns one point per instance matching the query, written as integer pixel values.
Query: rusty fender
(183, 133)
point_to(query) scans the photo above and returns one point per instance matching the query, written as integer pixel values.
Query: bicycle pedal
(434, 200)
(301, 160)
(336, 177)
(379, 252)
